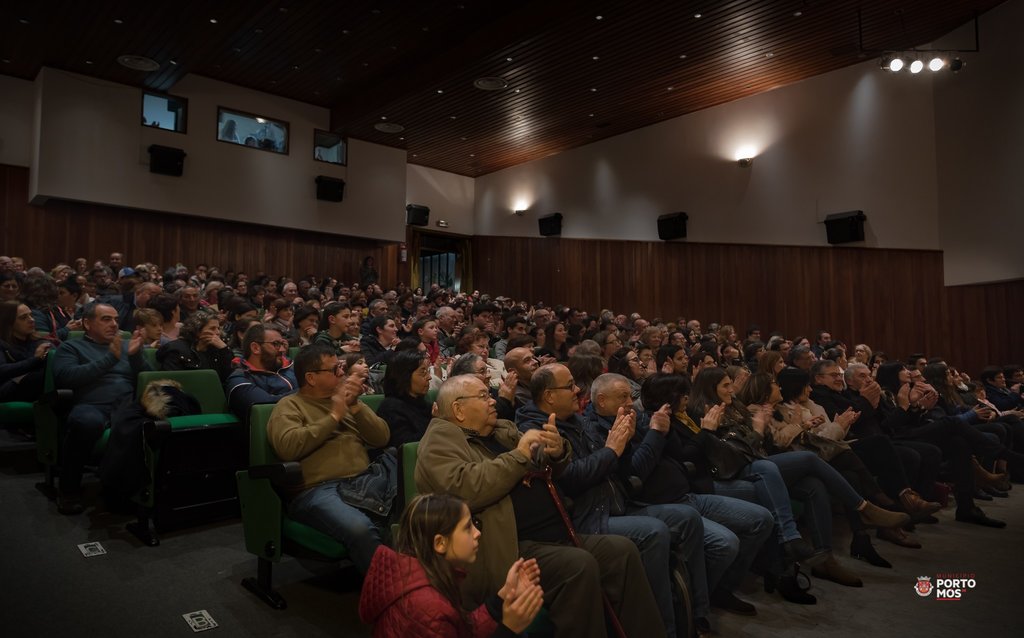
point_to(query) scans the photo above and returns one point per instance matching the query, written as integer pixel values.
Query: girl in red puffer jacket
(414, 592)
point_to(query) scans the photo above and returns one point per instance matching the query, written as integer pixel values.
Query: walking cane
(545, 474)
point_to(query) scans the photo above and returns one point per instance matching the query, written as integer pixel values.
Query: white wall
(93, 148)
(852, 139)
(449, 196)
(17, 102)
(979, 120)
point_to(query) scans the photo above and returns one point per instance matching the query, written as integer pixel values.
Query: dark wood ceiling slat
(551, 45)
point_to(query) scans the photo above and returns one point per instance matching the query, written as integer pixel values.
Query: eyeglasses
(280, 345)
(336, 369)
(483, 396)
(572, 385)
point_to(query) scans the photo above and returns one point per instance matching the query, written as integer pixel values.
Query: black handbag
(729, 455)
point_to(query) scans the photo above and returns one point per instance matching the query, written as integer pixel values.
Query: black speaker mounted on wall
(672, 226)
(166, 160)
(550, 225)
(416, 215)
(843, 228)
(330, 189)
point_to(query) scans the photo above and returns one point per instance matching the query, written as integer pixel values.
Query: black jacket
(407, 418)
(181, 355)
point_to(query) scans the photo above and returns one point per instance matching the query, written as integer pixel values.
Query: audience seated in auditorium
(471, 454)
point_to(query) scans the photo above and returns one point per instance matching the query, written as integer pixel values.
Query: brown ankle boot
(875, 516)
(832, 570)
(984, 478)
(915, 505)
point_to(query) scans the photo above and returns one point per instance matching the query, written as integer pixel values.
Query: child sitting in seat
(415, 591)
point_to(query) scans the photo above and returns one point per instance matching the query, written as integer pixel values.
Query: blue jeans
(796, 465)
(321, 508)
(763, 484)
(657, 530)
(732, 527)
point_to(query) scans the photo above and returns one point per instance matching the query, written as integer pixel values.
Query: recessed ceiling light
(138, 63)
(318, 50)
(517, 90)
(599, 17)
(490, 83)
(383, 117)
(213, 20)
(283, 9)
(295, 67)
(402, 138)
(463, 138)
(590, 115)
(797, 14)
(236, 50)
(698, 15)
(671, 88)
(682, 56)
(345, 32)
(6, 61)
(472, 154)
(257, 31)
(88, 61)
(440, 91)
(508, 59)
(452, 117)
(173, 62)
(415, 155)
(118, 21)
(593, 90)
(596, 57)
(388, 127)
(426, 29)
(23, 20)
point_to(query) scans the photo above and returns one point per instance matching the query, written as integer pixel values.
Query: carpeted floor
(51, 589)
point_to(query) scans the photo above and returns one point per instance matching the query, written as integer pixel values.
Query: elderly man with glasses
(327, 430)
(264, 376)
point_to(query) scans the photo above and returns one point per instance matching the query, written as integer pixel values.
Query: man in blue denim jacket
(327, 430)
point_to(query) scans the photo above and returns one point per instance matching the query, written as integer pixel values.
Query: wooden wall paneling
(890, 299)
(61, 231)
(983, 324)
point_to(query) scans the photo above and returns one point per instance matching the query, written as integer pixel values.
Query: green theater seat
(269, 532)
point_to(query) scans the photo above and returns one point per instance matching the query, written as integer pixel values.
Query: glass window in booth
(167, 112)
(246, 129)
(330, 147)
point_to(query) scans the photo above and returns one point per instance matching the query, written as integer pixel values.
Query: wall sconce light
(520, 212)
(745, 162)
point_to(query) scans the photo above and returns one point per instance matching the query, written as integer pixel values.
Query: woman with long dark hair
(712, 396)
(22, 355)
(406, 382)
(413, 590)
(626, 362)
(556, 339)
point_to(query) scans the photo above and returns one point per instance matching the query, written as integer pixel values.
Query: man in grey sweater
(101, 368)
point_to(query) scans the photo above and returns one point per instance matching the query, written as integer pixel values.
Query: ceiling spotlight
(916, 66)
(895, 65)
(956, 64)
(936, 64)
